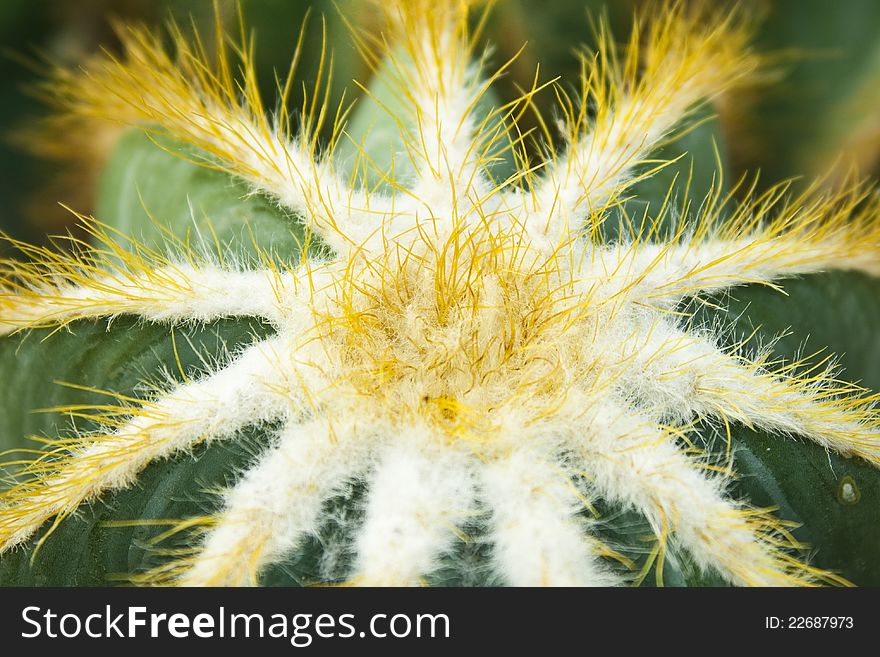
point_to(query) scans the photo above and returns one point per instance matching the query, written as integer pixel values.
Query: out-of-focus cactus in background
(820, 110)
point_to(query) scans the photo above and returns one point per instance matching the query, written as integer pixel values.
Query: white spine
(538, 536)
(417, 497)
(277, 503)
(683, 376)
(631, 462)
(179, 293)
(201, 411)
(664, 274)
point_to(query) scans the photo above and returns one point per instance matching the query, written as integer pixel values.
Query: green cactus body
(416, 357)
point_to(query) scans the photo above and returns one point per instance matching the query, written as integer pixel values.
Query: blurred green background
(826, 104)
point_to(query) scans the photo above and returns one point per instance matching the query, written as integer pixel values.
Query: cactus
(418, 354)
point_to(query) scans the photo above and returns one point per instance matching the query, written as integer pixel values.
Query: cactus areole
(416, 353)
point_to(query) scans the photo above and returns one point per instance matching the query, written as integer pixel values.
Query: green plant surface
(798, 478)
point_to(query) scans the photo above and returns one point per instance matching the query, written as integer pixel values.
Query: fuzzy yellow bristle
(51, 287)
(632, 101)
